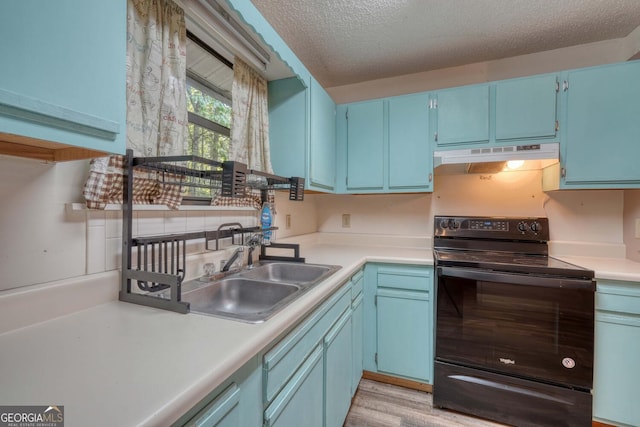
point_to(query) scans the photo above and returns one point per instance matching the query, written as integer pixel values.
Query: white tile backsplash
(149, 223)
(104, 235)
(96, 247)
(175, 222)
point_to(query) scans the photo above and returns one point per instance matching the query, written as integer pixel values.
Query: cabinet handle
(557, 86)
(430, 177)
(563, 172)
(557, 126)
(565, 86)
(435, 136)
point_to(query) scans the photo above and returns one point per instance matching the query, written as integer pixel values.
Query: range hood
(493, 159)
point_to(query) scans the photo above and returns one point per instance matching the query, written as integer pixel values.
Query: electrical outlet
(346, 220)
(638, 228)
(287, 222)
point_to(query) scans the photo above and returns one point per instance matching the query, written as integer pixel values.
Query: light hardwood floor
(383, 405)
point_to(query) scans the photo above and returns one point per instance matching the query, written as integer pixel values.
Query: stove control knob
(456, 225)
(536, 227)
(444, 223)
(522, 226)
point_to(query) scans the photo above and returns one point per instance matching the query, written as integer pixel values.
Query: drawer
(284, 359)
(357, 283)
(620, 297)
(225, 406)
(302, 396)
(404, 277)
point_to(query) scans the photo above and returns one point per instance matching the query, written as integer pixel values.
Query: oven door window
(542, 332)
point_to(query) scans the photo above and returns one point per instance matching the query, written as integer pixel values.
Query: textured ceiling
(349, 41)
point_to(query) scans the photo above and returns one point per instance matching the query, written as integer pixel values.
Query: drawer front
(357, 283)
(412, 278)
(284, 359)
(222, 412)
(302, 398)
(620, 297)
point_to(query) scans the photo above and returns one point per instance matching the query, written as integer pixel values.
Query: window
(209, 81)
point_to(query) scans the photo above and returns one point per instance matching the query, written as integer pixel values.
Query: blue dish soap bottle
(266, 220)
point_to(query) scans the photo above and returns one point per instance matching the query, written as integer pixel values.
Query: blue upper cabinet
(410, 155)
(365, 146)
(526, 108)
(322, 140)
(383, 145)
(288, 131)
(302, 132)
(600, 139)
(460, 115)
(63, 78)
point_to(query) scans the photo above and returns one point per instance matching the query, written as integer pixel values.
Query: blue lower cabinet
(398, 321)
(222, 412)
(617, 353)
(300, 402)
(337, 373)
(404, 340)
(357, 335)
(235, 403)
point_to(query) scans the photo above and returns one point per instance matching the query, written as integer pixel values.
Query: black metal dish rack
(161, 260)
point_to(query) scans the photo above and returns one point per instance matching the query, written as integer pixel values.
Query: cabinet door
(462, 115)
(288, 126)
(322, 152)
(410, 158)
(357, 347)
(63, 75)
(365, 145)
(603, 131)
(302, 398)
(526, 108)
(404, 334)
(338, 365)
(616, 372)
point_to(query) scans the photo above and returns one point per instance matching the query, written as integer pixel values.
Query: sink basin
(241, 298)
(253, 295)
(289, 272)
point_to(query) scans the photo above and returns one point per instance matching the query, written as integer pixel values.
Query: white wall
(44, 241)
(631, 215)
(574, 216)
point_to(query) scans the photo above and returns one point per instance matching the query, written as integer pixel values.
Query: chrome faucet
(254, 240)
(233, 259)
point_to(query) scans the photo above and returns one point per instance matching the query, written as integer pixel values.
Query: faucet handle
(255, 240)
(209, 269)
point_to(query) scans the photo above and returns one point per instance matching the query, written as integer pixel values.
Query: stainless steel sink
(254, 295)
(240, 298)
(288, 272)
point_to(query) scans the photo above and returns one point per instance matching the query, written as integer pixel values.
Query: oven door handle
(517, 279)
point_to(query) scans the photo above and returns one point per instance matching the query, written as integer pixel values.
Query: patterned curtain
(156, 104)
(249, 129)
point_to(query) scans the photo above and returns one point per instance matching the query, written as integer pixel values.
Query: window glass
(209, 81)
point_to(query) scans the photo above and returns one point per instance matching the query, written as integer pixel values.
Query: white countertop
(145, 366)
(608, 268)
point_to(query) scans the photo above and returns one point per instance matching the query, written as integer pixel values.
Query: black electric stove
(514, 326)
(517, 245)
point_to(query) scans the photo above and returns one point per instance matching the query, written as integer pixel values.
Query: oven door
(522, 325)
